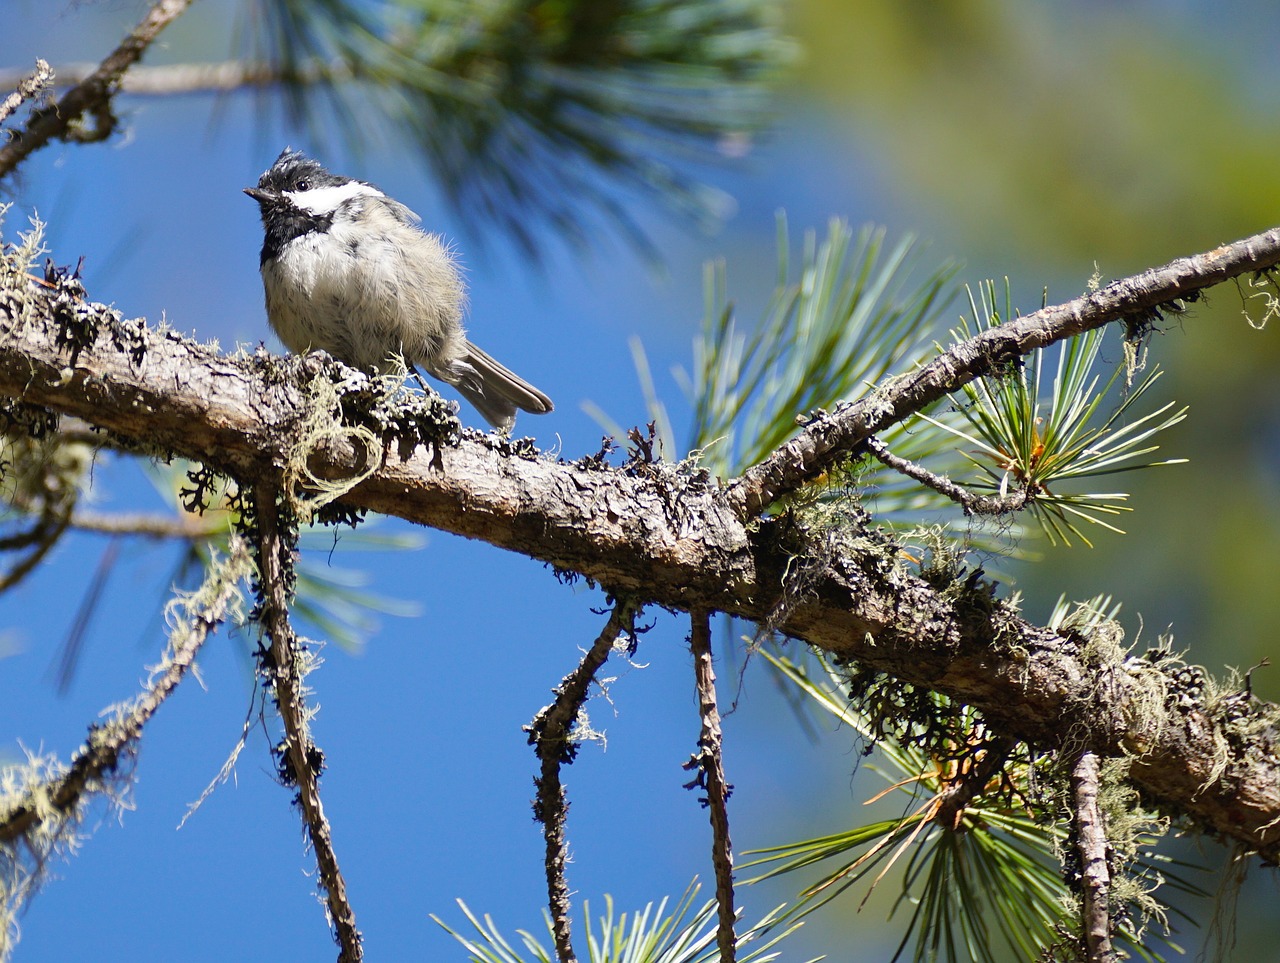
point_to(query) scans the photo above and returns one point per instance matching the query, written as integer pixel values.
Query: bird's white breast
(366, 288)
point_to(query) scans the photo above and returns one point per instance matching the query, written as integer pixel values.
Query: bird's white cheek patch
(325, 200)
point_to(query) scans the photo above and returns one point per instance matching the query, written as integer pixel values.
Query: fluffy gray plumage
(347, 270)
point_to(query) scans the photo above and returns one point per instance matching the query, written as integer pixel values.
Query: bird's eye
(302, 184)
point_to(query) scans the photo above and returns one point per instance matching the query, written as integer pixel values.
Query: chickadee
(347, 270)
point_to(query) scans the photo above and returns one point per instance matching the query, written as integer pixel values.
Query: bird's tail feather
(497, 391)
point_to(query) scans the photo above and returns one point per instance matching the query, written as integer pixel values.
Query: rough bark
(1095, 871)
(709, 761)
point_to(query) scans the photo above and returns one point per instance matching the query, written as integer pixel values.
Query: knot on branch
(704, 760)
(287, 772)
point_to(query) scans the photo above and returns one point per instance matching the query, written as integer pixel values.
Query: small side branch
(1095, 873)
(170, 79)
(40, 538)
(301, 760)
(972, 503)
(1136, 300)
(710, 763)
(551, 735)
(92, 95)
(196, 616)
(186, 528)
(26, 88)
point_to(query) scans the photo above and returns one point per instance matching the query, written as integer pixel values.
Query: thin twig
(92, 95)
(972, 503)
(710, 763)
(25, 86)
(49, 530)
(551, 735)
(302, 758)
(1137, 300)
(168, 79)
(185, 528)
(34, 535)
(107, 743)
(1095, 873)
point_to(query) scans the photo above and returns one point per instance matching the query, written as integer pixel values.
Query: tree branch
(1091, 846)
(973, 772)
(551, 735)
(1136, 299)
(672, 536)
(45, 534)
(107, 743)
(972, 504)
(92, 95)
(168, 79)
(25, 87)
(188, 528)
(301, 759)
(709, 761)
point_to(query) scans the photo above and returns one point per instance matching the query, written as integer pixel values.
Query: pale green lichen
(53, 832)
(16, 263)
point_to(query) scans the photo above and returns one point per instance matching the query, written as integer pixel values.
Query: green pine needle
(536, 110)
(651, 935)
(848, 318)
(1029, 432)
(989, 886)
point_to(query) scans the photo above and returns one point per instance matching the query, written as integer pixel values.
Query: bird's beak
(261, 196)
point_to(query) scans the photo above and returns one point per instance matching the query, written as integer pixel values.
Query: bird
(347, 270)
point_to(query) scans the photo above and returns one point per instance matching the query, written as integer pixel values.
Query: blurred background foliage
(518, 105)
(1044, 138)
